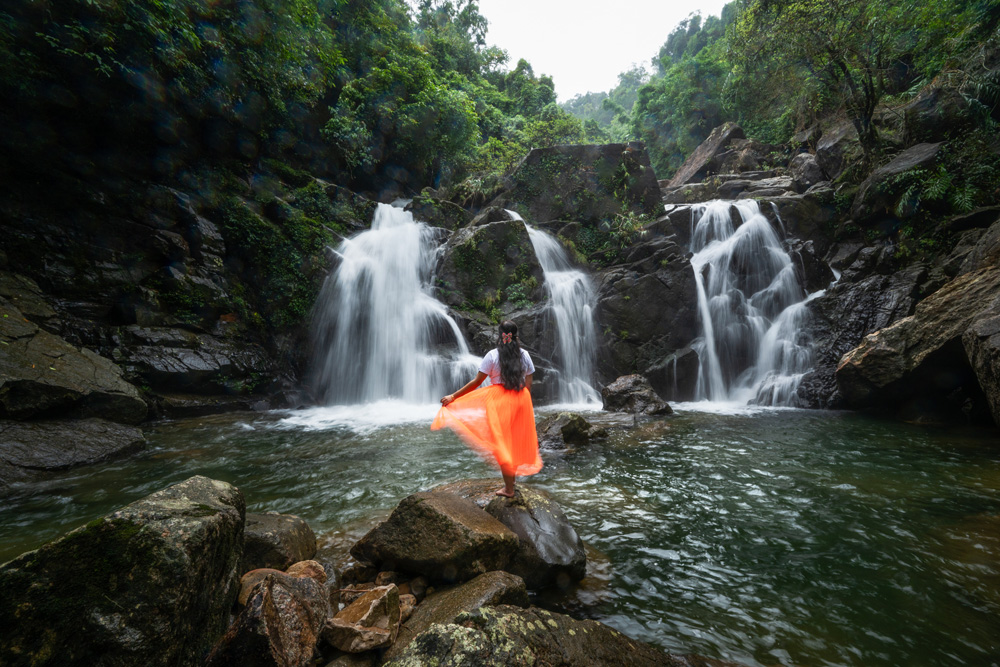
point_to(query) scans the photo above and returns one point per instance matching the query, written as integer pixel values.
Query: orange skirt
(497, 423)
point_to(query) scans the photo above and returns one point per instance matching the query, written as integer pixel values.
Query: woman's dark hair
(511, 363)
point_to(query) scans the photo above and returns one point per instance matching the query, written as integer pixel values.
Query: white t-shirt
(491, 364)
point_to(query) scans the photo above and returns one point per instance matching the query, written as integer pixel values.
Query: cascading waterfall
(753, 347)
(379, 332)
(572, 300)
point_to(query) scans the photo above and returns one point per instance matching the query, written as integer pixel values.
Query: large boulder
(438, 212)
(279, 626)
(836, 147)
(549, 550)
(506, 635)
(935, 114)
(874, 199)
(490, 266)
(439, 535)
(443, 607)
(58, 444)
(805, 171)
(696, 166)
(633, 393)
(566, 429)
(588, 184)
(919, 365)
(41, 373)
(276, 541)
(149, 584)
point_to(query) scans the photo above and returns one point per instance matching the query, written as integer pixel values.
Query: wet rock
(695, 167)
(809, 216)
(634, 394)
(490, 265)
(505, 635)
(308, 568)
(279, 627)
(676, 375)
(691, 193)
(43, 374)
(440, 535)
(149, 584)
(985, 253)
(25, 295)
(813, 273)
(249, 581)
(368, 623)
(54, 445)
(805, 171)
(443, 607)
(550, 553)
(479, 491)
(583, 183)
(567, 428)
(438, 212)
(354, 660)
(836, 147)
(492, 214)
(276, 541)
(919, 364)
(982, 346)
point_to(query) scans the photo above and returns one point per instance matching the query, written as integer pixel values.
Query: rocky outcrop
(505, 635)
(695, 167)
(438, 212)
(58, 444)
(836, 147)
(874, 199)
(42, 374)
(149, 584)
(588, 184)
(549, 550)
(634, 394)
(279, 626)
(440, 535)
(919, 365)
(276, 541)
(935, 114)
(443, 607)
(981, 342)
(805, 171)
(567, 429)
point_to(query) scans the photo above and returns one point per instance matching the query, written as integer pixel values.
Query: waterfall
(572, 300)
(379, 333)
(753, 348)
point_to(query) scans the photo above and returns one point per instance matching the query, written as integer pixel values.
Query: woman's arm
(473, 383)
(527, 381)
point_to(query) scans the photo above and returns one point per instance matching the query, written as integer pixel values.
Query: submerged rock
(443, 607)
(276, 541)
(550, 552)
(149, 584)
(440, 535)
(633, 393)
(279, 627)
(505, 635)
(57, 444)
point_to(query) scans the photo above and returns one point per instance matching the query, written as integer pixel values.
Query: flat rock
(633, 393)
(276, 541)
(440, 535)
(149, 584)
(443, 607)
(41, 373)
(58, 444)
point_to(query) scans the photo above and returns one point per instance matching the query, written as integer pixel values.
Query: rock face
(490, 266)
(505, 635)
(440, 535)
(872, 199)
(443, 607)
(550, 553)
(836, 146)
(276, 541)
(41, 373)
(805, 171)
(696, 165)
(633, 393)
(53, 445)
(279, 627)
(937, 113)
(370, 622)
(588, 184)
(919, 365)
(149, 584)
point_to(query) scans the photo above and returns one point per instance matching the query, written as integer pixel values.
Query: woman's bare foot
(505, 493)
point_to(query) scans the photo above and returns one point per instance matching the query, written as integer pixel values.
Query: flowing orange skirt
(497, 423)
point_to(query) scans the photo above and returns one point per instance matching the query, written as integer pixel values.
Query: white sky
(584, 45)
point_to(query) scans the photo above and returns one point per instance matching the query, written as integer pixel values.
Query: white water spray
(753, 348)
(572, 299)
(379, 333)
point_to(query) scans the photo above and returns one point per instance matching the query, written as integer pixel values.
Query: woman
(498, 420)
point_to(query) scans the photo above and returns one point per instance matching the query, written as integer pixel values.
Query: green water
(768, 537)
